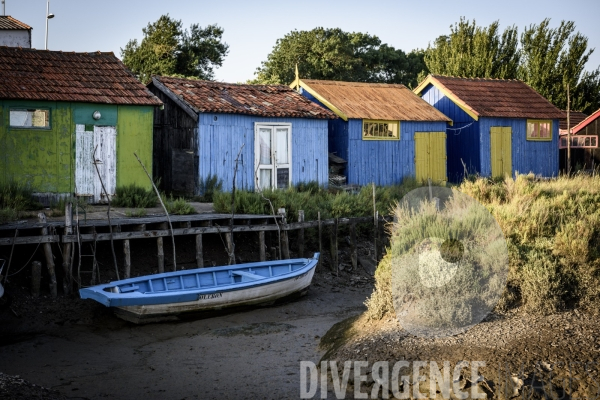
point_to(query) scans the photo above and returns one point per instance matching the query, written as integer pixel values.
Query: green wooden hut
(64, 114)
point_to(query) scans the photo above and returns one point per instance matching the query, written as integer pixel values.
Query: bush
(15, 197)
(208, 187)
(177, 206)
(134, 196)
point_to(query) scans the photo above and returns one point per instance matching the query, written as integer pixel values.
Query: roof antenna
(3, 7)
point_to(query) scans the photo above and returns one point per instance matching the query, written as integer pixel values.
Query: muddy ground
(78, 349)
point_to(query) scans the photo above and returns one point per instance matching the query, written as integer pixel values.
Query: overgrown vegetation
(552, 229)
(208, 187)
(15, 198)
(177, 206)
(134, 196)
(314, 199)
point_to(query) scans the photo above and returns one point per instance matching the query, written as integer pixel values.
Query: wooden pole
(67, 268)
(49, 257)
(285, 243)
(229, 242)
(127, 260)
(375, 228)
(199, 254)
(568, 133)
(353, 249)
(335, 247)
(262, 246)
(301, 234)
(320, 236)
(161, 254)
(36, 277)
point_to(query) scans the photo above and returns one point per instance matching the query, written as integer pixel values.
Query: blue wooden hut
(281, 137)
(385, 132)
(500, 126)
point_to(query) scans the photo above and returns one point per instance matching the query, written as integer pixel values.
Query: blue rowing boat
(166, 296)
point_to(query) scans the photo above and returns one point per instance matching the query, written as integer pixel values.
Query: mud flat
(79, 349)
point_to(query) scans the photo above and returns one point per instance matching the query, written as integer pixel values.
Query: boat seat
(248, 275)
(128, 289)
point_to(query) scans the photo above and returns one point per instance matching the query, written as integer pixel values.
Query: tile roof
(9, 23)
(595, 115)
(575, 117)
(30, 74)
(229, 98)
(373, 100)
(494, 97)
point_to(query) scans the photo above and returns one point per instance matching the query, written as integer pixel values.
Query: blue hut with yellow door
(500, 126)
(385, 132)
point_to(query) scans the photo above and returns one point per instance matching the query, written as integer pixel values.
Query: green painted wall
(44, 158)
(134, 134)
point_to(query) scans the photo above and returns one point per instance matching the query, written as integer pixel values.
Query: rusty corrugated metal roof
(9, 23)
(501, 98)
(374, 100)
(30, 74)
(263, 100)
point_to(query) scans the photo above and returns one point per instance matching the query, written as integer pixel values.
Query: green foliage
(177, 206)
(555, 57)
(552, 230)
(209, 186)
(337, 55)
(136, 213)
(545, 58)
(58, 208)
(473, 51)
(167, 49)
(15, 197)
(133, 196)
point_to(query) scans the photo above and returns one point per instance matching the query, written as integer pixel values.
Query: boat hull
(258, 295)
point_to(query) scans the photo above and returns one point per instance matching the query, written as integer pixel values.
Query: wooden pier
(71, 234)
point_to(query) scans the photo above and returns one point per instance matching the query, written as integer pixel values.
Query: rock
(368, 265)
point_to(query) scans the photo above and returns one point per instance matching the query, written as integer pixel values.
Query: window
(539, 130)
(30, 118)
(380, 130)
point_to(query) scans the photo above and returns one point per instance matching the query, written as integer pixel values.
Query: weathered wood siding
(385, 162)
(462, 140)
(175, 135)
(46, 158)
(220, 137)
(471, 144)
(538, 157)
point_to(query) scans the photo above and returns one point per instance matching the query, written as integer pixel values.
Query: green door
(430, 157)
(501, 150)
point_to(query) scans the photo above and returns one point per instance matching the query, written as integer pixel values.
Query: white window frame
(274, 126)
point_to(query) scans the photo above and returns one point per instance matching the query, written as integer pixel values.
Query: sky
(253, 26)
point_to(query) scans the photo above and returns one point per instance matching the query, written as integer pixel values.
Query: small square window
(380, 130)
(30, 118)
(539, 130)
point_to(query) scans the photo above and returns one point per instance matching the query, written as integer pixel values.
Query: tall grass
(134, 196)
(552, 229)
(15, 197)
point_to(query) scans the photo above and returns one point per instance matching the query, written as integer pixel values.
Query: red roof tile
(496, 97)
(80, 77)
(575, 117)
(9, 23)
(263, 100)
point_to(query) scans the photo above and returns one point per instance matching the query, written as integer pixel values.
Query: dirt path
(252, 354)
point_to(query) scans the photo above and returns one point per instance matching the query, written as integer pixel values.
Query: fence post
(199, 251)
(301, 234)
(49, 256)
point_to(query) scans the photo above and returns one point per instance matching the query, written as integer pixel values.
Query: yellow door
(430, 157)
(421, 156)
(501, 155)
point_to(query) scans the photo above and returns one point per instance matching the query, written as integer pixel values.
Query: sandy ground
(86, 352)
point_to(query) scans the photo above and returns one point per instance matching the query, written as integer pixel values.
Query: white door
(273, 156)
(103, 139)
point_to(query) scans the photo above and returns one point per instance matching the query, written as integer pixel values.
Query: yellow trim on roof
(431, 80)
(299, 83)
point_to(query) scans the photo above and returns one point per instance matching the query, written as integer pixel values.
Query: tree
(166, 49)
(555, 57)
(473, 51)
(333, 54)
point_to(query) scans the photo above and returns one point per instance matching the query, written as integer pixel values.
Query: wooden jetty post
(262, 246)
(229, 243)
(320, 234)
(333, 246)
(49, 257)
(301, 234)
(67, 267)
(36, 277)
(199, 251)
(161, 254)
(353, 249)
(285, 243)
(127, 258)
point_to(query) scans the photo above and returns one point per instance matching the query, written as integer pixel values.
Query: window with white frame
(29, 118)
